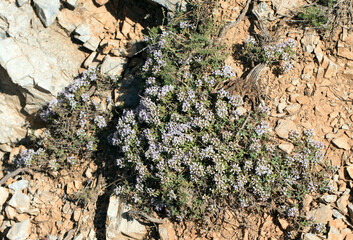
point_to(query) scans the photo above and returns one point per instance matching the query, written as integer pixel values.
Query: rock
(307, 201)
(334, 234)
(19, 185)
(349, 170)
(281, 106)
(113, 66)
(46, 66)
(166, 231)
(20, 202)
(118, 224)
(92, 44)
(101, 2)
(309, 40)
(10, 212)
(292, 109)
(311, 236)
(350, 210)
(337, 214)
(89, 60)
(21, 2)
(337, 223)
(172, 5)
(20, 231)
(321, 215)
(264, 11)
(71, 3)
(284, 223)
(4, 194)
(47, 10)
(286, 147)
(331, 70)
(341, 142)
(329, 198)
(342, 203)
(83, 32)
(78, 237)
(319, 54)
(69, 20)
(285, 7)
(284, 127)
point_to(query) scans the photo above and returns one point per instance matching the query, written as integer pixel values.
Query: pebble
(284, 127)
(294, 108)
(349, 170)
(4, 194)
(286, 147)
(341, 142)
(19, 185)
(20, 201)
(329, 198)
(334, 234)
(281, 106)
(20, 231)
(321, 215)
(342, 203)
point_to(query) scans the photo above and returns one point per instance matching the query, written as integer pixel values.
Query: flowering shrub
(189, 152)
(282, 52)
(74, 120)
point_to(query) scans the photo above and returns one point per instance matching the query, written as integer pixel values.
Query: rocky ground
(53, 41)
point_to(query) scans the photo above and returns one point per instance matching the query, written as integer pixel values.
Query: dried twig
(15, 173)
(151, 219)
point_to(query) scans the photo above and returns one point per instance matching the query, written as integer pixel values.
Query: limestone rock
(350, 210)
(349, 170)
(284, 127)
(329, 198)
(71, 3)
(21, 2)
(4, 194)
(285, 7)
(309, 41)
(20, 202)
(331, 70)
(92, 44)
(264, 11)
(341, 142)
(19, 185)
(83, 32)
(166, 231)
(321, 215)
(20, 231)
(342, 203)
(101, 2)
(334, 234)
(311, 236)
(113, 66)
(118, 225)
(47, 10)
(69, 20)
(292, 109)
(172, 5)
(286, 147)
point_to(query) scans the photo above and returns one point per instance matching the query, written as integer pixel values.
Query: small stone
(79, 237)
(284, 127)
(349, 170)
(47, 10)
(321, 215)
(166, 231)
(20, 231)
(286, 147)
(88, 173)
(4, 194)
(284, 223)
(101, 2)
(337, 214)
(337, 223)
(20, 3)
(21, 217)
(307, 201)
(89, 60)
(334, 234)
(331, 70)
(71, 3)
(76, 215)
(294, 108)
(19, 185)
(20, 201)
(341, 142)
(10, 212)
(329, 198)
(281, 106)
(113, 66)
(342, 203)
(310, 236)
(83, 29)
(66, 208)
(92, 44)
(350, 210)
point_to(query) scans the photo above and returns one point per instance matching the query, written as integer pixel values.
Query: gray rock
(264, 10)
(113, 66)
(71, 3)
(47, 10)
(321, 215)
(83, 32)
(20, 231)
(4, 194)
(118, 225)
(19, 185)
(311, 236)
(172, 5)
(337, 214)
(284, 127)
(51, 237)
(286, 147)
(92, 44)
(329, 198)
(20, 201)
(21, 2)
